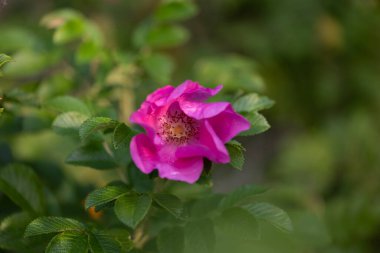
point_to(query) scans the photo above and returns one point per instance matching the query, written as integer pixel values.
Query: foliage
(319, 60)
(85, 98)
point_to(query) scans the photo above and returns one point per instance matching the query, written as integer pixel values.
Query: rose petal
(209, 146)
(194, 90)
(160, 96)
(144, 119)
(186, 170)
(228, 124)
(143, 153)
(146, 115)
(201, 110)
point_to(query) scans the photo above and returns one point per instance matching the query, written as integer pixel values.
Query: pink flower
(182, 129)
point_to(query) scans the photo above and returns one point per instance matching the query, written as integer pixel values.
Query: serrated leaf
(123, 237)
(12, 232)
(160, 67)
(68, 242)
(175, 11)
(270, 213)
(104, 195)
(68, 123)
(122, 136)
(93, 156)
(236, 152)
(170, 203)
(68, 104)
(94, 124)
(252, 102)
(237, 224)
(171, 240)
(4, 59)
(258, 124)
(48, 225)
(23, 187)
(199, 237)
(166, 36)
(241, 195)
(236, 229)
(132, 208)
(102, 242)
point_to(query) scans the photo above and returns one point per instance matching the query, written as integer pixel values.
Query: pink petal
(194, 90)
(146, 115)
(193, 150)
(186, 170)
(160, 96)
(143, 153)
(209, 146)
(144, 119)
(201, 110)
(228, 124)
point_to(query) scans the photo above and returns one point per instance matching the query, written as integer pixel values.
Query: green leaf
(160, 67)
(240, 195)
(166, 36)
(102, 242)
(12, 232)
(27, 62)
(68, 104)
(123, 237)
(270, 213)
(139, 181)
(68, 123)
(132, 208)
(47, 225)
(236, 151)
(71, 30)
(258, 124)
(88, 51)
(93, 156)
(252, 103)
(204, 206)
(23, 187)
(233, 71)
(175, 11)
(171, 240)
(104, 195)
(57, 18)
(170, 203)
(140, 34)
(4, 59)
(199, 237)
(122, 136)
(235, 227)
(68, 242)
(237, 222)
(94, 124)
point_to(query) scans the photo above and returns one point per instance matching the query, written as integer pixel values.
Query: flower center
(175, 127)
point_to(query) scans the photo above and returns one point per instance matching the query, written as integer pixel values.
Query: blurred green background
(318, 59)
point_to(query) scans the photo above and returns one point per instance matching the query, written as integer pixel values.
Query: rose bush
(82, 178)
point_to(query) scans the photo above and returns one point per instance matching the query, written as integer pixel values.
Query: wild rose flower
(182, 129)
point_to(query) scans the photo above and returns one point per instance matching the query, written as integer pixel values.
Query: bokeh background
(318, 59)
